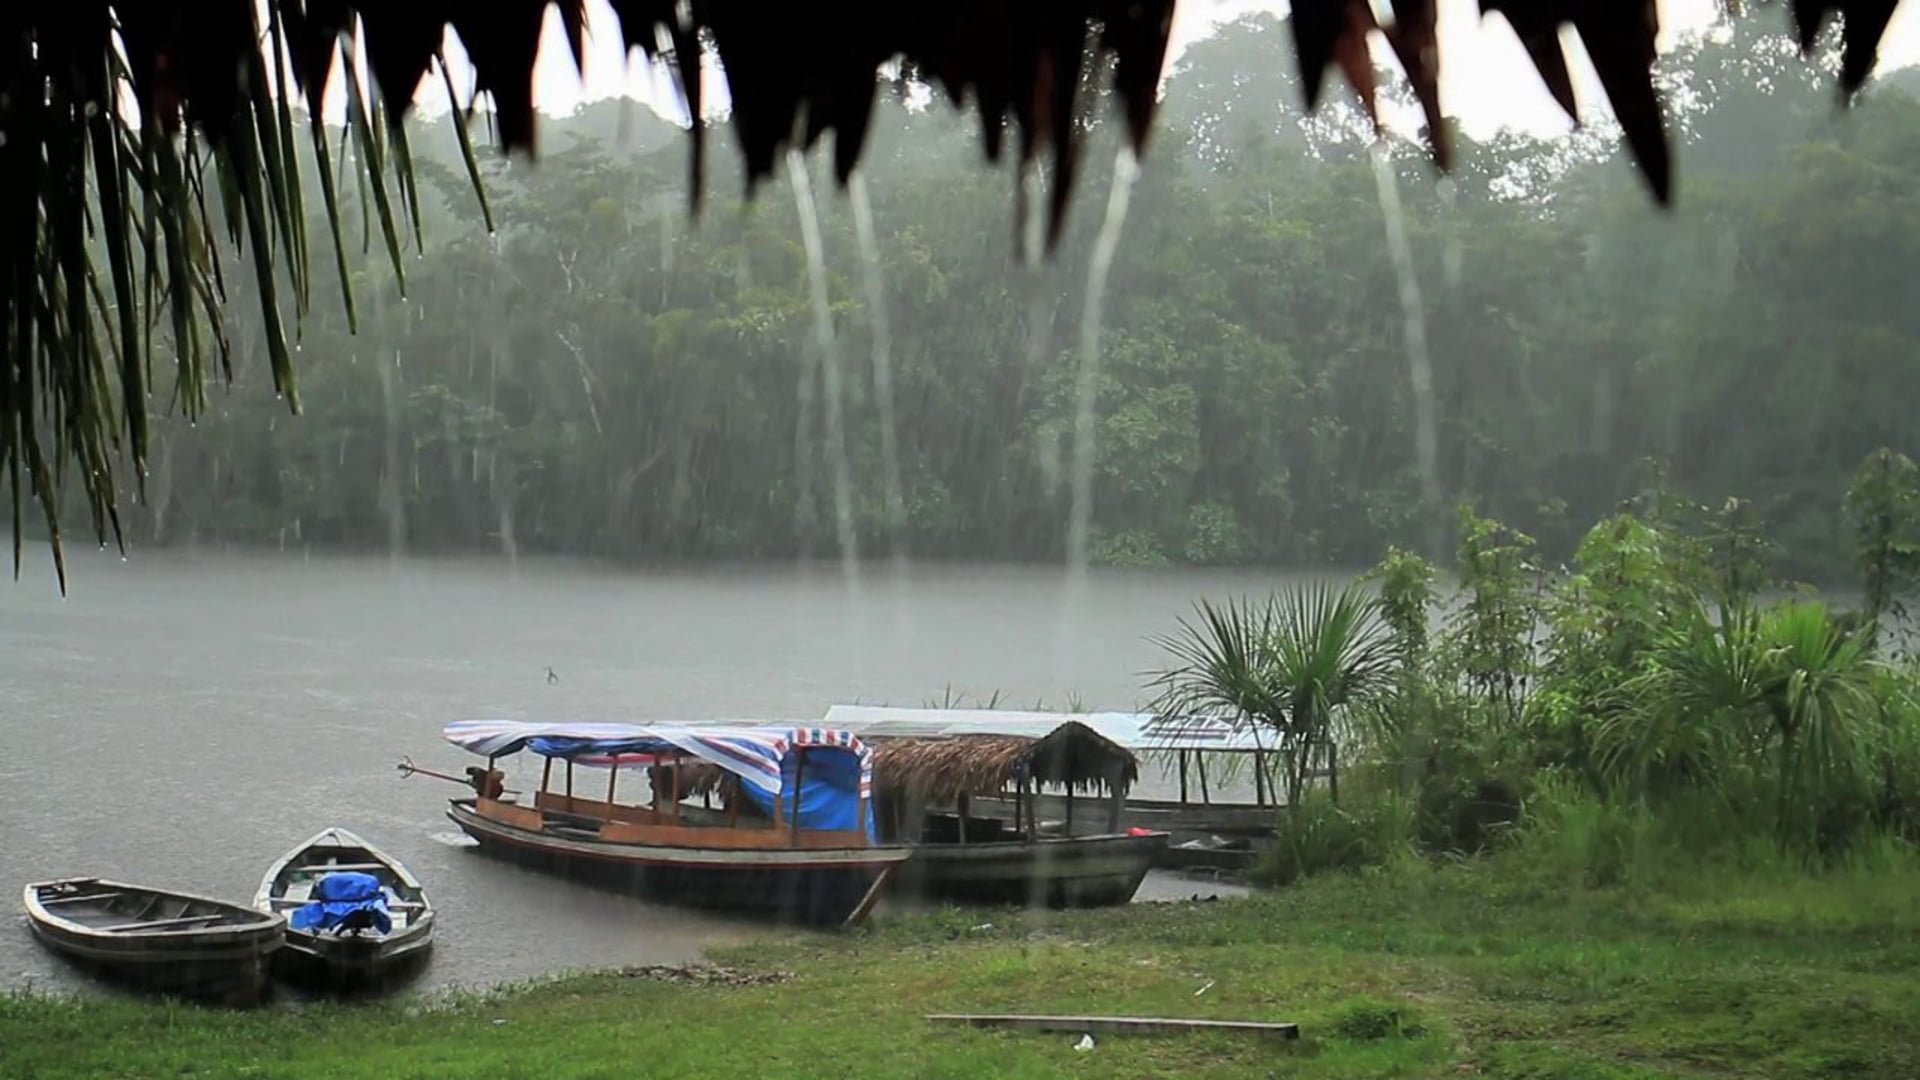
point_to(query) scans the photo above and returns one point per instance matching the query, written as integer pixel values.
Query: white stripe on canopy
(752, 752)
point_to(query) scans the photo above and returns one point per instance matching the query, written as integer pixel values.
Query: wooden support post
(1183, 777)
(1259, 778)
(1069, 808)
(613, 777)
(546, 771)
(569, 783)
(1119, 782)
(1206, 796)
(675, 789)
(865, 907)
(966, 808)
(1033, 811)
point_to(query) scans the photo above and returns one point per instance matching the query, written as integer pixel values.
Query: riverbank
(1417, 971)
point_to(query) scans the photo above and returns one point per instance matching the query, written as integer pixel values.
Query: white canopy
(1141, 733)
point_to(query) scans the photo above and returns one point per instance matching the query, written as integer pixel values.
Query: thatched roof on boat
(943, 769)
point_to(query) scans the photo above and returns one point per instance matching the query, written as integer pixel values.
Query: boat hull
(351, 962)
(1084, 871)
(807, 886)
(225, 965)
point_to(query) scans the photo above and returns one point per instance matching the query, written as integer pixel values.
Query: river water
(183, 719)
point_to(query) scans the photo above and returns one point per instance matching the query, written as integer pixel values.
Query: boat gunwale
(462, 811)
(1093, 842)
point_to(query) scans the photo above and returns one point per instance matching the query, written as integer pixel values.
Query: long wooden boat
(792, 845)
(157, 939)
(972, 859)
(355, 952)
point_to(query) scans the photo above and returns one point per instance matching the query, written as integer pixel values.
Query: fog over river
(182, 719)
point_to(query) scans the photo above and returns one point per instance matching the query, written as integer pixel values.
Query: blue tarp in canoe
(337, 899)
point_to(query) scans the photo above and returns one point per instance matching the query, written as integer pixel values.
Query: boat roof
(754, 752)
(1072, 756)
(1141, 733)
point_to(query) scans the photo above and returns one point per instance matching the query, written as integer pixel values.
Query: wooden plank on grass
(1118, 1025)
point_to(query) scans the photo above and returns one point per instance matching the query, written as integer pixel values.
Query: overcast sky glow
(1486, 81)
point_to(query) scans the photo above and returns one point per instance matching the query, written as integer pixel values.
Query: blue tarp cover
(827, 793)
(339, 895)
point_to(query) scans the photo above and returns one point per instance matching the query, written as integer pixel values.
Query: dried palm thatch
(117, 117)
(942, 770)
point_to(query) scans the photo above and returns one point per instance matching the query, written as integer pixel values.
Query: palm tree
(1307, 664)
(1685, 719)
(1785, 691)
(1820, 697)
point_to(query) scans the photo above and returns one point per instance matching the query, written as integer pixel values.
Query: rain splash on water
(875, 282)
(1419, 360)
(829, 348)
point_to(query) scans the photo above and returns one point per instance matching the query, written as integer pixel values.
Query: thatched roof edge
(943, 769)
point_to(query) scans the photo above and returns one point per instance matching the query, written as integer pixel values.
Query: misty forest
(605, 377)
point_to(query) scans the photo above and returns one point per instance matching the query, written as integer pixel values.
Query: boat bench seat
(154, 924)
(392, 905)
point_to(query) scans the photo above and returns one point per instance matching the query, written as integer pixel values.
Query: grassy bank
(1415, 971)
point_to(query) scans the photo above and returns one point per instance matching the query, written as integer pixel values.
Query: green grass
(1412, 971)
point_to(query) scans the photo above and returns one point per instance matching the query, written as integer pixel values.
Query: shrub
(1318, 836)
(1572, 836)
(1370, 1020)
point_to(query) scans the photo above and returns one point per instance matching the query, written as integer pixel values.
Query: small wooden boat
(793, 843)
(351, 952)
(172, 942)
(986, 860)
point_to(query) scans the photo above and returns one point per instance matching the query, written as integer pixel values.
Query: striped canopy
(758, 754)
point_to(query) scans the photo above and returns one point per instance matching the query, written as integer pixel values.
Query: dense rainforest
(1311, 349)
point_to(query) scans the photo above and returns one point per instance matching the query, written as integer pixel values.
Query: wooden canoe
(1080, 871)
(158, 939)
(352, 958)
